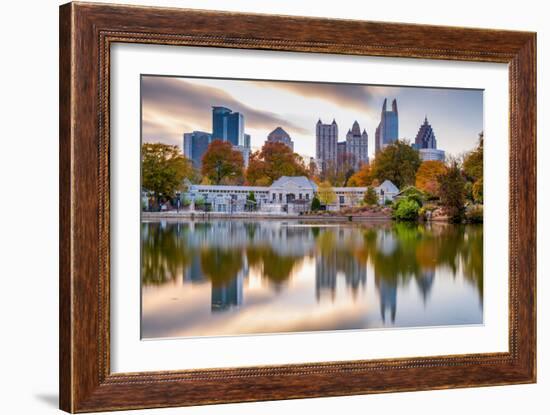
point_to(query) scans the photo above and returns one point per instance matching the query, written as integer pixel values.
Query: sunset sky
(172, 106)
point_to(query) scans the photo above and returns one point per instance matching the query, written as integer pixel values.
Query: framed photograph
(258, 207)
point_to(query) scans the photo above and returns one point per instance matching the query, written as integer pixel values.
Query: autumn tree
(221, 163)
(397, 162)
(164, 168)
(427, 174)
(325, 193)
(361, 178)
(273, 161)
(473, 162)
(452, 191)
(473, 170)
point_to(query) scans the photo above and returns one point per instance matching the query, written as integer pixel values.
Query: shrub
(406, 210)
(415, 194)
(477, 191)
(315, 204)
(388, 202)
(474, 214)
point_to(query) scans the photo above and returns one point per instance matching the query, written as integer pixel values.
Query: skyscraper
(426, 144)
(228, 126)
(387, 131)
(278, 135)
(357, 144)
(326, 144)
(195, 145)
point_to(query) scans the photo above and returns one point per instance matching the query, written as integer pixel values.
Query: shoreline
(254, 216)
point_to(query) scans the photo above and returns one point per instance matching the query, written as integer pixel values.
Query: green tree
(452, 191)
(251, 200)
(406, 210)
(325, 193)
(164, 168)
(397, 162)
(221, 163)
(371, 197)
(315, 204)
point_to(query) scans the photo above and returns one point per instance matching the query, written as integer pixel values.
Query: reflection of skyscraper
(387, 291)
(228, 295)
(387, 131)
(425, 282)
(193, 272)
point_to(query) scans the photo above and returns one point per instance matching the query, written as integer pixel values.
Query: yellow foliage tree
(325, 193)
(426, 176)
(361, 178)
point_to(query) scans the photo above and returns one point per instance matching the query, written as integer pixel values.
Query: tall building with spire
(229, 126)
(387, 131)
(426, 144)
(326, 144)
(357, 144)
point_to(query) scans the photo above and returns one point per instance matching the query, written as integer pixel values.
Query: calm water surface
(227, 277)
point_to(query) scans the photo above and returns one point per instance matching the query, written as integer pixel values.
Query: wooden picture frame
(86, 33)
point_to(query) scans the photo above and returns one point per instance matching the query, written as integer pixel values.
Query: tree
(164, 168)
(371, 197)
(363, 177)
(273, 161)
(397, 162)
(452, 191)
(426, 176)
(325, 193)
(221, 163)
(477, 190)
(473, 162)
(251, 200)
(406, 209)
(315, 204)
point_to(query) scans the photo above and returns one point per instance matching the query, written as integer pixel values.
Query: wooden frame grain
(86, 33)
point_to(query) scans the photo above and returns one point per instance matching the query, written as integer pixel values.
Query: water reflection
(232, 277)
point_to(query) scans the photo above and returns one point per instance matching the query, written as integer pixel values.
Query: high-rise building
(357, 144)
(195, 145)
(426, 144)
(326, 144)
(387, 131)
(278, 135)
(228, 126)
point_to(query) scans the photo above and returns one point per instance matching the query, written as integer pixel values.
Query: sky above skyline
(172, 106)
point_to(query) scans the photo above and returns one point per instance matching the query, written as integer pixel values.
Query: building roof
(388, 186)
(298, 181)
(278, 133)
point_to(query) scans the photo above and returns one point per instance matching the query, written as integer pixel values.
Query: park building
(288, 194)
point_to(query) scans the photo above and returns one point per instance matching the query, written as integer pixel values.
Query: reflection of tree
(276, 268)
(407, 251)
(220, 265)
(163, 252)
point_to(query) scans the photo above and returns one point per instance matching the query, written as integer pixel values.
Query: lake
(229, 277)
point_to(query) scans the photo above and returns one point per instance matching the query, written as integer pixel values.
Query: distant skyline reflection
(229, 277)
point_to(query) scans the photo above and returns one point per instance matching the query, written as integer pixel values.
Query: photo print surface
(283, 206)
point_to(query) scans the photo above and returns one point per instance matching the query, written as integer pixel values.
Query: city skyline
(173, 106)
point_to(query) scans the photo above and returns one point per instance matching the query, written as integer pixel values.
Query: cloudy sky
(173, 105)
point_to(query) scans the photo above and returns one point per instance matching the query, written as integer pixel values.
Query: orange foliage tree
(222, 164)
(427, 174)
(363, 177)
(273, 161)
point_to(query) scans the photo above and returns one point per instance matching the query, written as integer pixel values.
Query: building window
(274, 196)
(342, 200)
(307, 196)
(300, 196)
(280, 197)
